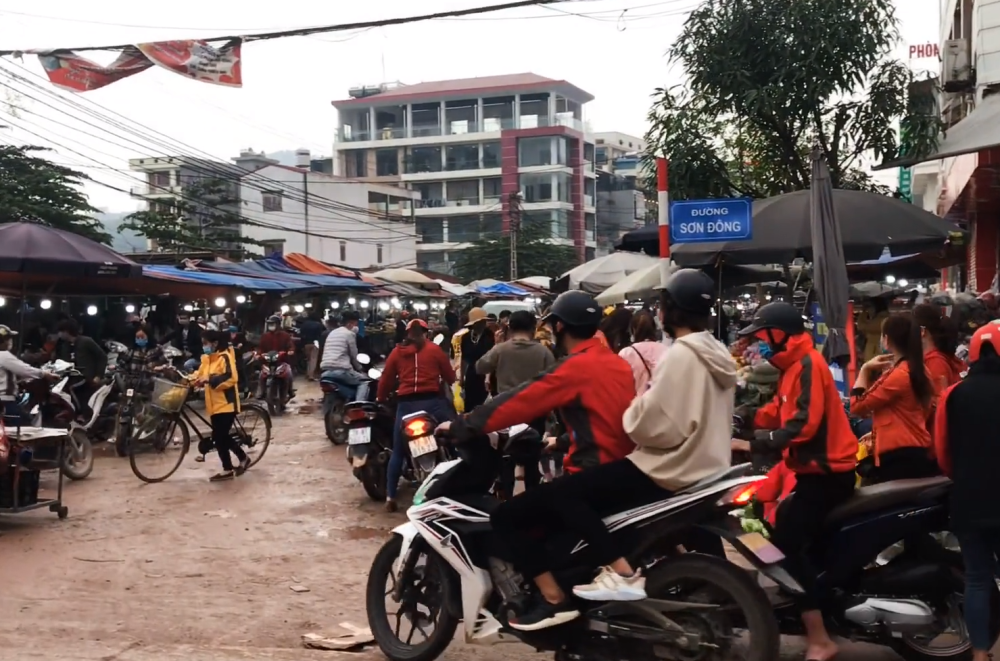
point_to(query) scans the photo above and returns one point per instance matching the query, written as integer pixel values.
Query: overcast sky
(288, 83)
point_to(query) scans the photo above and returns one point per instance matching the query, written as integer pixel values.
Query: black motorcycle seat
(885, 495)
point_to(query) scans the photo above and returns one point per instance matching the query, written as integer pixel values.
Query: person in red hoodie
(807, 424)
(416, 370)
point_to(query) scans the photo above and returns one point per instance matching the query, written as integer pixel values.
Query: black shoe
(223, 476)
(244, 465)
(543, 615)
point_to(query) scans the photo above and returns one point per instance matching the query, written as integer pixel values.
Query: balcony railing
(462, 201)
(422, 166)
(425, 130)
(347, 134)
(491, 161)
(391, 133)
(148, 190)
(588, 200)
(430, 203)
(461, 164)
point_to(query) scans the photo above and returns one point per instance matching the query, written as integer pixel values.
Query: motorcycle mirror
(374, 373)
(438, 339)
(364, 359)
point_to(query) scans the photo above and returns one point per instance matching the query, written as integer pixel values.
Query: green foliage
(768, 78)
(204, 219)
(536, 255)
(36, 190)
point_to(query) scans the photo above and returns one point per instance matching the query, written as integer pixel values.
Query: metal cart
(21, 474)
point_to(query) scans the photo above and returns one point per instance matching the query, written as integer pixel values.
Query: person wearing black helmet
(807, 425)
(590, 389)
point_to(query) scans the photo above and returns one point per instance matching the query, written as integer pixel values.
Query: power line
(342, 27)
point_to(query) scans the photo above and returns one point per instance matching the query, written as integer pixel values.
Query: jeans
(347, 382)
(980, 549)
(436, 406)
(578, 503)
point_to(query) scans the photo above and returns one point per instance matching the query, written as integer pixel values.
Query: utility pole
(514, 216)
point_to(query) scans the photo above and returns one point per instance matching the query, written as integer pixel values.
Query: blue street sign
(701, 221)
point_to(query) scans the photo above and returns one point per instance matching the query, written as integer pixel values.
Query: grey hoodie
(515, 361)
(682, 425)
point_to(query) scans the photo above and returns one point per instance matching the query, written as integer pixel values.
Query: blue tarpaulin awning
(272, 269)
(503, 289)
(222, 279)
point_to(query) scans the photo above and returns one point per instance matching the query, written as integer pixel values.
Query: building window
(271, 200)
(159, 181)
(343, 251)
(386, 162)
(537, 187)
(273, 247)
(491, 154)
(462, 157)
(430, 230)
(378, 253)
(357, 163)
(601, 155)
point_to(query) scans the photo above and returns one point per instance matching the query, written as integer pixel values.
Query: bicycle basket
(169, 396)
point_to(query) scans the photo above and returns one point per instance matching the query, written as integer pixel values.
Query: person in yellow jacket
(217, 374)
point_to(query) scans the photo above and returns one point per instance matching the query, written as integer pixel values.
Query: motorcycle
(907, 602)
(446, 566)
(335, 401)
(54, 406)
(275, 381)
(369, 440)
(135, 383)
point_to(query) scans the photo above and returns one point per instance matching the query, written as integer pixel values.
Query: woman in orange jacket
(939, 336)
(896, 391)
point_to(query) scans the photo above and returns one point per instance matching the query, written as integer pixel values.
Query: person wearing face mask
(340, 356)
(275, 338)
(217, 373)
(187, 337)
(805, 423)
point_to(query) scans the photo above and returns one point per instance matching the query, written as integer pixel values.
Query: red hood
(795, 350)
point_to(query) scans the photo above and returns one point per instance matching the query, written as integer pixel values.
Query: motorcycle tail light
(418, 427)
(741, 495)
(355, 415)
(327, 387)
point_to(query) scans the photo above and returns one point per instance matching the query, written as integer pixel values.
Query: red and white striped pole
(663, 202)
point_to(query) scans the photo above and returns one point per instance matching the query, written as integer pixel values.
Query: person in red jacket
(416, 370)
(965, 439)
(939, 338)
(806, 422)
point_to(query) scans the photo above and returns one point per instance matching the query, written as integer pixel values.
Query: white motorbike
(82, 432)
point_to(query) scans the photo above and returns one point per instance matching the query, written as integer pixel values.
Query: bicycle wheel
(253, 431)
(158, 446)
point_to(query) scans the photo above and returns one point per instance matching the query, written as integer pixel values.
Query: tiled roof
(446, 87)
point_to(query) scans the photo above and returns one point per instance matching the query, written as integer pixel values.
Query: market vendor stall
(21, 469)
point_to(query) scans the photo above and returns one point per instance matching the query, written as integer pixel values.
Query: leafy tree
(536, 255)
(768, 78)
(204, 219)
(37, 190)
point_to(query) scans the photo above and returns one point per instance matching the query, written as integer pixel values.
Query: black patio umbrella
(829, 266)
(32, 249)
(869, 222)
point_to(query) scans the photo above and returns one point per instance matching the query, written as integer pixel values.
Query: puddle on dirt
(362, 532)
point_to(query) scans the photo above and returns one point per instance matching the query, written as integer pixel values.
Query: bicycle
(172, 413)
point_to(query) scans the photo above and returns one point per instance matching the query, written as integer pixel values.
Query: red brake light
(418, 427)
(744, 495)
(355, 415)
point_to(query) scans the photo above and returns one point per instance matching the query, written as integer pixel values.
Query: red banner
(197, 60)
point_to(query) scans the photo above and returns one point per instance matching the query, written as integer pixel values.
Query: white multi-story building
(619, 153)
(296, 209)
(466, 146)
(958, 181)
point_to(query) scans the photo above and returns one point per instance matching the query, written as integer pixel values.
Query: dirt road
(204, 572)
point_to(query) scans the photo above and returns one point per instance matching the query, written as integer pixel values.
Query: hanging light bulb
(189, 308)
(309, 305)
(383, 306)
(45, 304)
(890, 279)
(335, 305)
(91, 310)
(241, 299)
(284, 309)
(129, 308)
(365, 304)
(3, 301)
(351, 301)
(903, 282)
(299, 309)
(395, 302)
(220, 302)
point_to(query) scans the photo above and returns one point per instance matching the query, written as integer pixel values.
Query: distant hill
(122, 241)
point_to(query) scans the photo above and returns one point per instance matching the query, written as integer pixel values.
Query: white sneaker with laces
(612, 586)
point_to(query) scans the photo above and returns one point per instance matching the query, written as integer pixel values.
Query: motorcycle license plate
(765, 551)
(359, 436)
(423, 445)
(129, 392)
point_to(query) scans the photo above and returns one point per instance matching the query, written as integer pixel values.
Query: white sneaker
(612, 586)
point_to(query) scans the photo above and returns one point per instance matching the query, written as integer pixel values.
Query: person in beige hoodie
(681, 428)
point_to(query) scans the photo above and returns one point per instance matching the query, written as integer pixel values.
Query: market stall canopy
(638, 284)
(502, 289)
(407, 277)
(272, 270)
(306, 264)
(31, 248)
(979, 130)
(869, 223)
(598, 274)
(223, 279)
(455, 289)
(536, 281)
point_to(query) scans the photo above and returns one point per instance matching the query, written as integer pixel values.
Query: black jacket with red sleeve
(967, 445)
(590, 389)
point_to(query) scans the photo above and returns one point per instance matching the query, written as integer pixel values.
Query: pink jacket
(642, 357)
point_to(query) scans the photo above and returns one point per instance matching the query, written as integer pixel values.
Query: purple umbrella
(34, 249)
